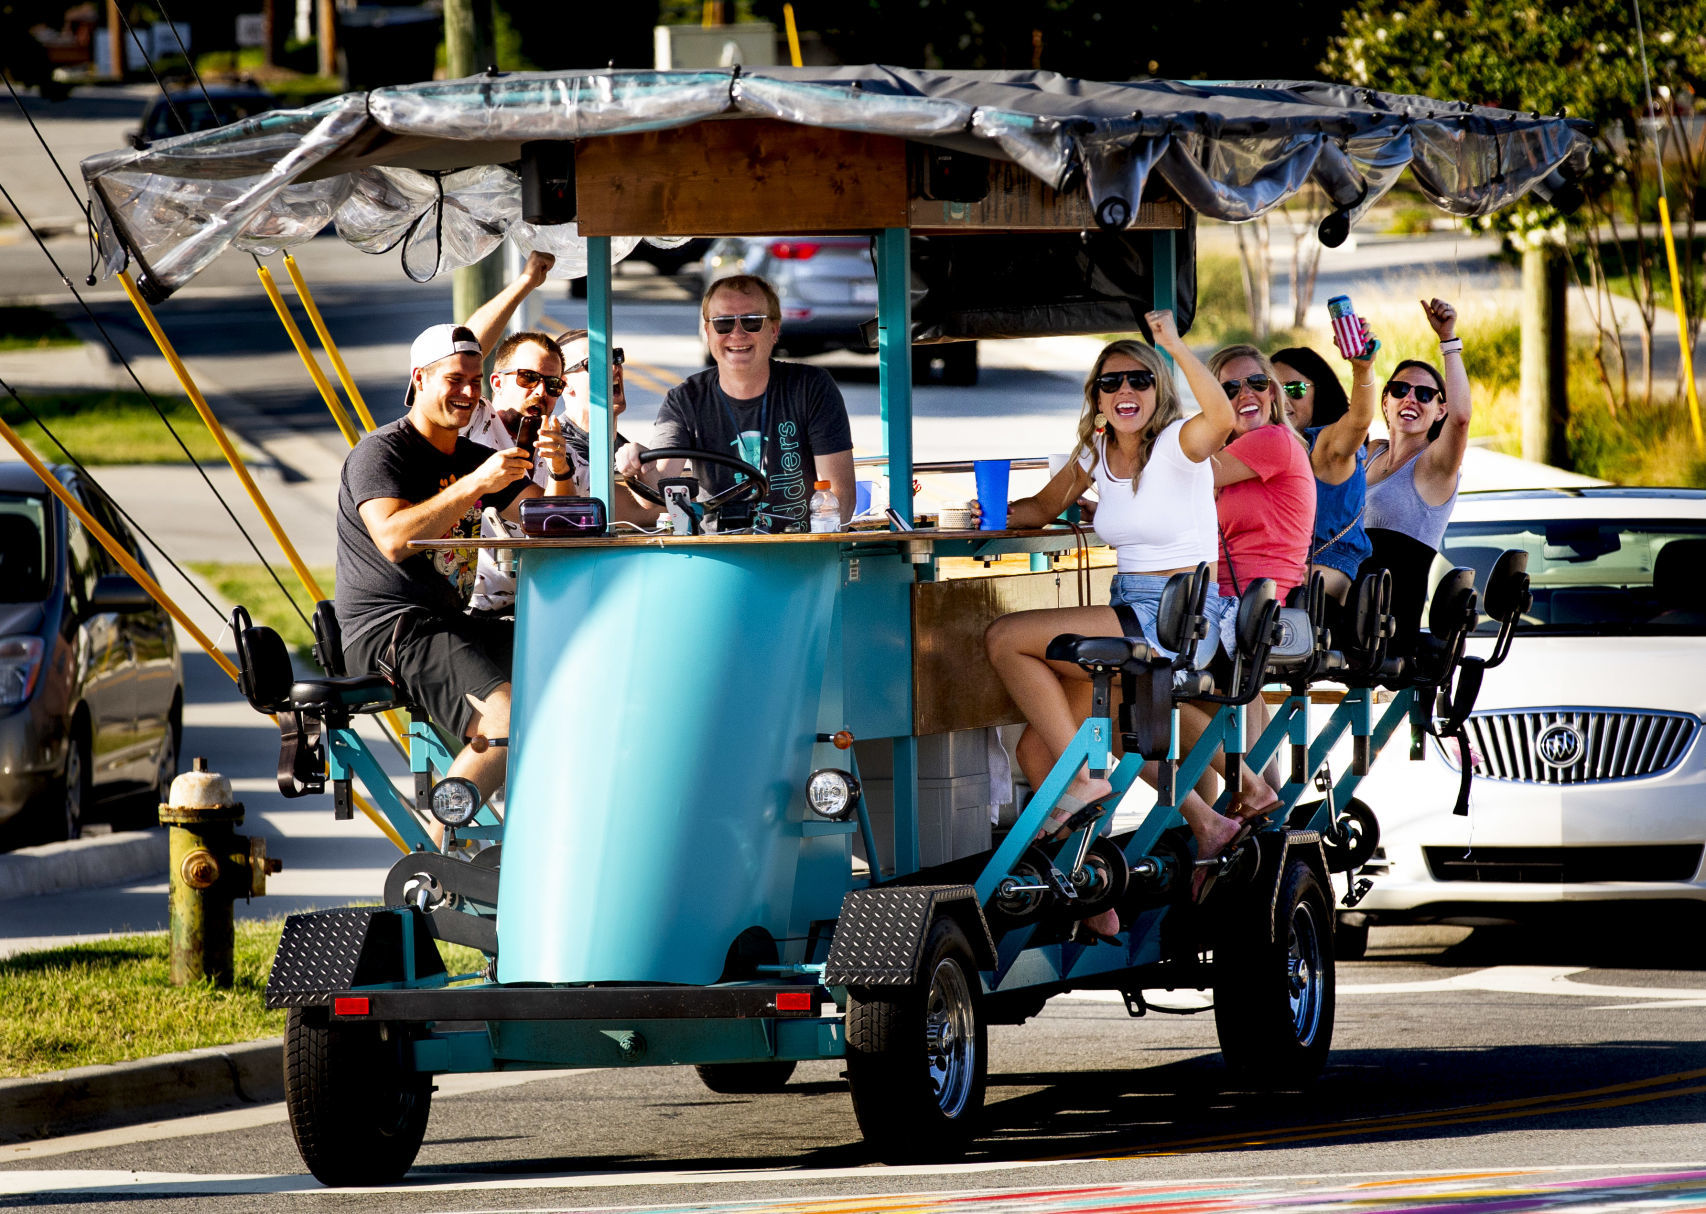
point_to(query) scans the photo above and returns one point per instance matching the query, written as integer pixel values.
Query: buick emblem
(1560, 746)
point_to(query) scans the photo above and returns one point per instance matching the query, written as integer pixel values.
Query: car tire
(959, 364)
(357, 1114)
(60, 811)
(917, 1056)
(143, 810)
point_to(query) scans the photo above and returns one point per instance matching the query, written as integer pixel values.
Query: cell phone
(1347, 329)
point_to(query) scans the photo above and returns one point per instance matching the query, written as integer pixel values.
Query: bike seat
(355, 693)
(1096, 654)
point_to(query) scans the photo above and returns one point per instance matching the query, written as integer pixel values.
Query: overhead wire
(148, 62)
(124, 514)
(147, 395)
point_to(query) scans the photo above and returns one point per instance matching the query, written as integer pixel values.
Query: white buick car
(1590, 771)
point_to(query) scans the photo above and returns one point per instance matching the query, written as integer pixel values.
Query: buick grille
(1575, 745)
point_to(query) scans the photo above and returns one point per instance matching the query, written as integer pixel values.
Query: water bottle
(826, 511)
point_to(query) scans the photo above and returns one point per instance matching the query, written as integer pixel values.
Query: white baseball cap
(440, 341)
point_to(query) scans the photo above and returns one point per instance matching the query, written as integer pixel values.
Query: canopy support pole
(331, 347)
(321, 383)
(134, 568)
(600, 428)
(894, 361)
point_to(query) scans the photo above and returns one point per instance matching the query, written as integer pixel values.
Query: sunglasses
(752, 322)
(1142, 379)
(1397, 389)
(1257, 383)
(528, 380)
(1295, 388)
(616, 360)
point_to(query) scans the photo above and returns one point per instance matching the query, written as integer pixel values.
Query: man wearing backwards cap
(419, 478)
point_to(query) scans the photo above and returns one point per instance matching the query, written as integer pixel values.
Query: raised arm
(1205, 433)
(489, 319)
(1334, 457)
(1444, 456)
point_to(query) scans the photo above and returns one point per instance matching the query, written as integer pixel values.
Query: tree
(1582, 57)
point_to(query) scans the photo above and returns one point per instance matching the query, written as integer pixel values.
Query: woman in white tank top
(1149, 463)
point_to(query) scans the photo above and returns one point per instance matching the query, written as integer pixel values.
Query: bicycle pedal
(1062, 884)
(1357, 892)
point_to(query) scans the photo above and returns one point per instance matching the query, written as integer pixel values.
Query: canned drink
(1347, 328)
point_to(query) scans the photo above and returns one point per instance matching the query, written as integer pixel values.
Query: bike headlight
(455, 801)
(832, 793)
(20, 663)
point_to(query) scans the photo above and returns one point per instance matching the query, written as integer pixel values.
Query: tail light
(794, 250)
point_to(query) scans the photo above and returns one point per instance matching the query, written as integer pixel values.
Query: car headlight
(455, 801)
(20, 663)
(832, 793)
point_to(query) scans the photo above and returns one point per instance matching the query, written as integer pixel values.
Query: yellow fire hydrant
(210, 866)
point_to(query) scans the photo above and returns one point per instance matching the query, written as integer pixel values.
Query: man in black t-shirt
(786, 418)
(417, 479)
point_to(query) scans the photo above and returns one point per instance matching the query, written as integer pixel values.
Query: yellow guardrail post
(793, 34)
(134, 568)
(331, 347)
(327, 393)
(1682, 344)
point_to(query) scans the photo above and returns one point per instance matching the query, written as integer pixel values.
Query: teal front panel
(665, 707)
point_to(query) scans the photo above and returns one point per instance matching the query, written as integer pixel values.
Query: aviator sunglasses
(529, 379)
(752, 322)
(1140, 378)
(1397, 389)
(1257, 382)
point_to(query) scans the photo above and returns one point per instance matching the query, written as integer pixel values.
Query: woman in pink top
(1265, 499)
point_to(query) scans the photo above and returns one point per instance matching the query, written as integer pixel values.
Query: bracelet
(1451, 345)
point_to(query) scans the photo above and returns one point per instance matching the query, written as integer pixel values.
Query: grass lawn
(33, 329)
(112, 1001)
(250, 585)
(110, 428)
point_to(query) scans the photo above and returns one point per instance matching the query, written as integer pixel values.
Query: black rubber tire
(358, 1116)
(745, 1078)
(959, 364)
(1350, 941)
(142, 811)
(908, 1110)
(59, 811)
(1275, 1031)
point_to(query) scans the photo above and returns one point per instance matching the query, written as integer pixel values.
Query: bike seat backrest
(1506, 595)
(1255, 614)
(328, 640)
(1370, 600)
(264, 673)
(1178, 617)
(1105, 653)
(1453, 608)
(1296, 643)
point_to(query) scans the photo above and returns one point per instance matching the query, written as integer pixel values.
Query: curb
(150, 1089)
(114, 859)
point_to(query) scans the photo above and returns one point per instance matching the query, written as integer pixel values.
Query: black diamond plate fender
(879, 938)
(335, 950)
(1278, 847)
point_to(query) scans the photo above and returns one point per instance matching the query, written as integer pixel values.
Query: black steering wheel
(755, 486)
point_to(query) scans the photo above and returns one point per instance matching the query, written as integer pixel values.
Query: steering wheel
(755, 486)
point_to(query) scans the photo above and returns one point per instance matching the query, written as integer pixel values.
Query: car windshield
(23, 549)
(1604, 577)
(187, 115)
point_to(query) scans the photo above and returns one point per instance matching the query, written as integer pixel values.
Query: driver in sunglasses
(787, 419)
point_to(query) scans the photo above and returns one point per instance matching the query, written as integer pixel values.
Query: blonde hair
(743, 284)
(1276, 409)
(1169, 408)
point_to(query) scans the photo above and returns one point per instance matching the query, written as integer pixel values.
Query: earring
(1101, 422)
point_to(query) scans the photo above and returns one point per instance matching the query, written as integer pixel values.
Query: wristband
(1451, 345)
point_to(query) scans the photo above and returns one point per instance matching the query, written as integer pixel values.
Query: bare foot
(1107, 923)
(1214, 836)
(1257, 799)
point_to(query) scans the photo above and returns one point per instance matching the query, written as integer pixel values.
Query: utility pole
(326, 37)
(468, 50)
(1543, 392)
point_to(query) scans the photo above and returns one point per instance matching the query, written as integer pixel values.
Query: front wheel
(1274, 990)
(357, 1112)
(917, 1055)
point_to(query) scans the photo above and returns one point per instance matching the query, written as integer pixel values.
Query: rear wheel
(917, 1055)
(1274, 998)
(59, 812)
(745, 1078)
(358, 1114)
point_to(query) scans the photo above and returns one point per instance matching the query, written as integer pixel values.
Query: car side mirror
(119, 592)
(136, 141)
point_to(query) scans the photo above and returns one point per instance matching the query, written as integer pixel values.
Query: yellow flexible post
(218, 432)
(1682, 343)
(331, 347)
(327, 393)
(793, 34)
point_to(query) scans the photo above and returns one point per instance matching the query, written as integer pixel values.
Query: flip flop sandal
(1207, 868)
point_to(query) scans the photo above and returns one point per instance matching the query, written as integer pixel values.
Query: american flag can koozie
(1347, 329)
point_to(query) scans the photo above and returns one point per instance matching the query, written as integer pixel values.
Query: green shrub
(1411, 221)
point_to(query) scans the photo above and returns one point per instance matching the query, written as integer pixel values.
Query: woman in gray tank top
(1413, 475)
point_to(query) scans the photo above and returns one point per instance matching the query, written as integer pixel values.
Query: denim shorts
(1139, 594)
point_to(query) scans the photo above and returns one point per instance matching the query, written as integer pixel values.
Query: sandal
(1207, 868)
(1065, 809)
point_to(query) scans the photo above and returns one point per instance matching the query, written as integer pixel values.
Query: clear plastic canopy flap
(429, 168)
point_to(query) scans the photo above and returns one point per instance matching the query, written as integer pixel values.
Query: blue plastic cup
(992, 493)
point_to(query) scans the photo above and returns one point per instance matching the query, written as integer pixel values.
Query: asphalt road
(1501, 1065)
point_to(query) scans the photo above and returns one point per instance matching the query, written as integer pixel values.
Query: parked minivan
(91, 682)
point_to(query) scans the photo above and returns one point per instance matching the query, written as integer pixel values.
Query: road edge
(149, 1089)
